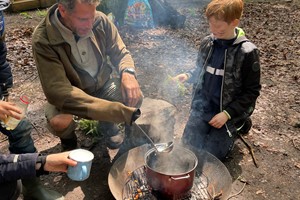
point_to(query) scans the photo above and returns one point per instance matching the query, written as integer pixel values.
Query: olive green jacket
(60, 78)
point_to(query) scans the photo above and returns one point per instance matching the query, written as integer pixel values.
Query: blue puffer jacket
(22, 167)
(6, 79)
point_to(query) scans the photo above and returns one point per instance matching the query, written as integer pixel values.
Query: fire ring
(127, 179)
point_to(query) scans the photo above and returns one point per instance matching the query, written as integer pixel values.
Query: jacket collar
(53, 34)
(240, 36)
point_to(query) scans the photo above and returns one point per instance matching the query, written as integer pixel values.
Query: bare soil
(274, 27)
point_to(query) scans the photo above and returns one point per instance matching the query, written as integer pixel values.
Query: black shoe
(246, 127)
(113, 136)
(114, 142)
(68, 144)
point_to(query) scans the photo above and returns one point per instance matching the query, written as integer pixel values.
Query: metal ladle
(159, 147)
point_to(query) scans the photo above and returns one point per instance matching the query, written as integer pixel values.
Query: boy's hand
(218, 120)
(181, 78)
(58, 162)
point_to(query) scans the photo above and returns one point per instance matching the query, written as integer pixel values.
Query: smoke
(162, 124)
(159, 54)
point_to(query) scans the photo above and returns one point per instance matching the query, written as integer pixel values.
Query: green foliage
(175, 86)
(89, 127)
(41, 13)
(192, 12)
(26, 15)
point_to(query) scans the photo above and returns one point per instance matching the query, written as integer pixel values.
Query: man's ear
(62, 10)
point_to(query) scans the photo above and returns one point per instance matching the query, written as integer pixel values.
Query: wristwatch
(130, 71)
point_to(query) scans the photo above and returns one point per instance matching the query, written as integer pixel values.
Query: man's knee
(62, 126)
(61, 122)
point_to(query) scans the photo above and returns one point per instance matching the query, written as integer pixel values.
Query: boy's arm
(203, 53)
(14, 167)
(245, 102)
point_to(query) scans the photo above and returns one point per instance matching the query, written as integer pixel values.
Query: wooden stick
(239, 192)
(250, 149)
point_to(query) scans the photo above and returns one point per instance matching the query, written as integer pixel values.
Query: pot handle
(179, 178)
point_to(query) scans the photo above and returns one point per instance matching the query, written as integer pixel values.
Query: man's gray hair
(70, 4)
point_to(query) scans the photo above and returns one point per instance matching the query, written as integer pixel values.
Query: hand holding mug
(84, 159)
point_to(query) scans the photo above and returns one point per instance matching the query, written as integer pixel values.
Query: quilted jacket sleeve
(14, 167)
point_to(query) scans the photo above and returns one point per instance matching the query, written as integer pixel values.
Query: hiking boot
(33, 190)
(246, 127)
(68, 144)
(112, 134)
(114, 142)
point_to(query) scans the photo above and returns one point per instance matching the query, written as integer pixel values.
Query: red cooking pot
(170, 174)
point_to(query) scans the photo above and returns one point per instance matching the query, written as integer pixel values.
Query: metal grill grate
(136, 188)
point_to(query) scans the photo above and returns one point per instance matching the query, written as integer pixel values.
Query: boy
(226, 82)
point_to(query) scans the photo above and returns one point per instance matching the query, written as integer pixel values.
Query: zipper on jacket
(221, 96)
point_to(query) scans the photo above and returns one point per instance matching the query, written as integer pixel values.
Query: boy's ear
(235, 22)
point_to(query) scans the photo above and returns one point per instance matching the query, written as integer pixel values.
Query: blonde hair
(225, 10)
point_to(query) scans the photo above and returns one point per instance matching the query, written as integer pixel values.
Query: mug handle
(84, 171)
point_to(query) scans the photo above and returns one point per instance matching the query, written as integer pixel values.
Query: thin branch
(250, 149)
(4, 139)
(239, 192)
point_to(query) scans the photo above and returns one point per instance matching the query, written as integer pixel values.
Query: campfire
(136, 187)
(128, 181)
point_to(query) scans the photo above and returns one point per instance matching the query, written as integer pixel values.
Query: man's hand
(58, 162)
(131, 91)
(8, 109)
(218, 120)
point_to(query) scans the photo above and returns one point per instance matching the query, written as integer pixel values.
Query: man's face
(80, 20)
(221, 29)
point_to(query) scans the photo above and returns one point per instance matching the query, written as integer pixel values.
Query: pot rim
(150, 151)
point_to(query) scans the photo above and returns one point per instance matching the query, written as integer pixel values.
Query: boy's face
(221, 29)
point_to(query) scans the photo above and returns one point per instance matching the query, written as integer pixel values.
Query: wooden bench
(22, 5)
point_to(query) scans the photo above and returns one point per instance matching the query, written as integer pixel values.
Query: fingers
(181, 78)
(8, 109)
(215, 124)
(218, 120)
(133, 97)
(59, 162)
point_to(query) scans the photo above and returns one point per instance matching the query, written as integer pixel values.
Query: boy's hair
(225, 10)
(70, 4)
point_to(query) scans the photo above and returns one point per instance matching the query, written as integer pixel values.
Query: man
(85, 70)
(20, 141)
